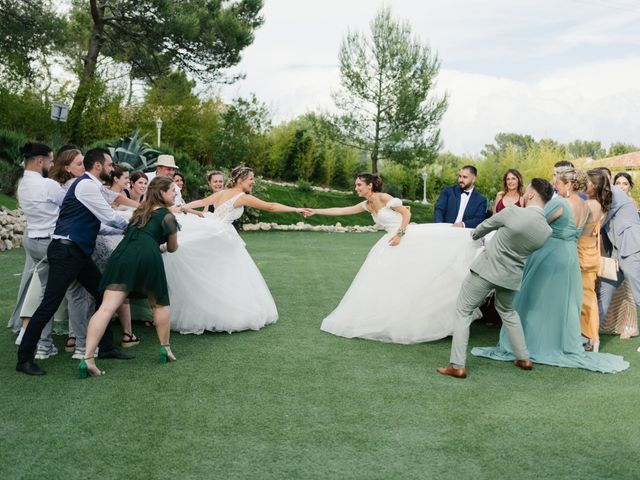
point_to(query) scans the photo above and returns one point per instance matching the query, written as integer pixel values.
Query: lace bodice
(386, 217)
(226, 212)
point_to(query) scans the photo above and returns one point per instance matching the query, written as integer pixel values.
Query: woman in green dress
(136, 270)
(550, 299)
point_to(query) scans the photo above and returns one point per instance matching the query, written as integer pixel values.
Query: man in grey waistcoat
(519, 233)
(622, 242)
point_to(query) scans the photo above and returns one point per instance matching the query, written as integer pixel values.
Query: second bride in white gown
(406, 289)
(214, 284)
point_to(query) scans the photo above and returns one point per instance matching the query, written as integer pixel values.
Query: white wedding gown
(214, 283)
(407, 293)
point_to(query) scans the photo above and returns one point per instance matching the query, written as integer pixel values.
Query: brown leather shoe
(453, 372)
(523, 364)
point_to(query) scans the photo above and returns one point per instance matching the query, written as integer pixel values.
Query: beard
(105, 177)
(45, 172)
(465, 186)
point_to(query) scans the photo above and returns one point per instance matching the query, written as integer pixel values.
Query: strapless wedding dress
(407, 293)
(214, 284)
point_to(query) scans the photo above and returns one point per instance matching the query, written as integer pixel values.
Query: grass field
(290, 401)
(9, 202)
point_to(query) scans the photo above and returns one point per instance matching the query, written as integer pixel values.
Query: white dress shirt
(88, 192)
(178, 200)
(464, 200)
(40, 199)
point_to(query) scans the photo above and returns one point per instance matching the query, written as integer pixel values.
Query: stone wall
(12, 225)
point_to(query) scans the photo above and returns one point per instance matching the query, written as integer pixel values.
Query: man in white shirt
(461, 204)
(69, 253)
(40, 199)
(166, 167)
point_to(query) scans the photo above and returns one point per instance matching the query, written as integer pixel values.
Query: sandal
(70, 346)
(130, 341)
(149, 323)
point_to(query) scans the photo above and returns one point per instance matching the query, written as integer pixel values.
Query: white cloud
(594, 101)
(562, 70)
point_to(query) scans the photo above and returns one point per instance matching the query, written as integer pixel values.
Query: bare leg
(98, 324)
(124, 314)
(161, 322)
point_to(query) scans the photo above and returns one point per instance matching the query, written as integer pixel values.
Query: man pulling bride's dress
(214, 283)
(406, 290)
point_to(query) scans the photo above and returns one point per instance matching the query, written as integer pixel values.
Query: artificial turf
(290, 401)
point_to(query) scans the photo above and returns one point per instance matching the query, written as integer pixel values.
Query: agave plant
(133, 153)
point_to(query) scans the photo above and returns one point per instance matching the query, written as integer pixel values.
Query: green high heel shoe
(166, 355)
(83, 368)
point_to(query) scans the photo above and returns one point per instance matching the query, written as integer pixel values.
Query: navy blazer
(448, 203)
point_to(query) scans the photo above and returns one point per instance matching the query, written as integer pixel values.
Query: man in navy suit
(461, 204)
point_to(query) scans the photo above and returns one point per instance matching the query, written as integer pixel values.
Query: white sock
(20, 335)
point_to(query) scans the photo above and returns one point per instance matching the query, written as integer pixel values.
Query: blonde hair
(570, 175)
(238, 174)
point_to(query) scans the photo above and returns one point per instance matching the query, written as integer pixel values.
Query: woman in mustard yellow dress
(599, 201)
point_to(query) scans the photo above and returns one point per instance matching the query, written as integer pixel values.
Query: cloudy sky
(561, 69)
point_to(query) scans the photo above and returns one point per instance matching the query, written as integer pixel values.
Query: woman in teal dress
(136, 270)
(550, 299)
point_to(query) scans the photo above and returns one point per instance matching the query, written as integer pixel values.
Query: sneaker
(78, 355)
(44, 353)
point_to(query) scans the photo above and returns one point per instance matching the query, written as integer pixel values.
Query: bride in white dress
(406, 290)
(214, 283)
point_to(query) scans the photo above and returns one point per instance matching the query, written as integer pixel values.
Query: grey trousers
(77, 297)
(473, 292)
(629, 269)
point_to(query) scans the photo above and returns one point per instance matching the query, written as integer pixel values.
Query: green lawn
(292, 402)
(9, 202)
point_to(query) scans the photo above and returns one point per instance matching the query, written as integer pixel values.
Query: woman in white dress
(406, 290)
(214, 283)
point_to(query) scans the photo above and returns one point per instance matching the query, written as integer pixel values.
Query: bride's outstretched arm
(251, 201)
(203, 202)
(336, 211)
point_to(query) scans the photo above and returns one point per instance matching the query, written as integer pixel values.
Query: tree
(199, 37)
(30, 31)
(586, 148)
(619, 148)
(386, 102)
(503, 141)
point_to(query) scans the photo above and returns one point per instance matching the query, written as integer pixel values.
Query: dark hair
(135, 176)
(31, 150)
(64, 159)
(543, 188)
(602, 192)
(153, 198)
(117, 172)
(212, 173)
(371, 179)
(624, 175)
(68, 146)
(95, 155)
(472, 169)
(516, 174)
(606, 170)
(563, 163)
(238, 174)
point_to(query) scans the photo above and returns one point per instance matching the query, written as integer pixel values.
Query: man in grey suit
(622, 241)
(519, 232)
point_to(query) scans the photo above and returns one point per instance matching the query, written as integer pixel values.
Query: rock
(8, 244)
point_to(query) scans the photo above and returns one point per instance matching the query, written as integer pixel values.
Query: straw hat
(166, 161)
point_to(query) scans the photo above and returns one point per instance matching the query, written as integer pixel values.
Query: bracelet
(401, 232)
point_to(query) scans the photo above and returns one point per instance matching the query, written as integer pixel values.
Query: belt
(64, 241)
(41, 238)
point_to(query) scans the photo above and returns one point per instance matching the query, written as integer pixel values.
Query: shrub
(10, 160)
